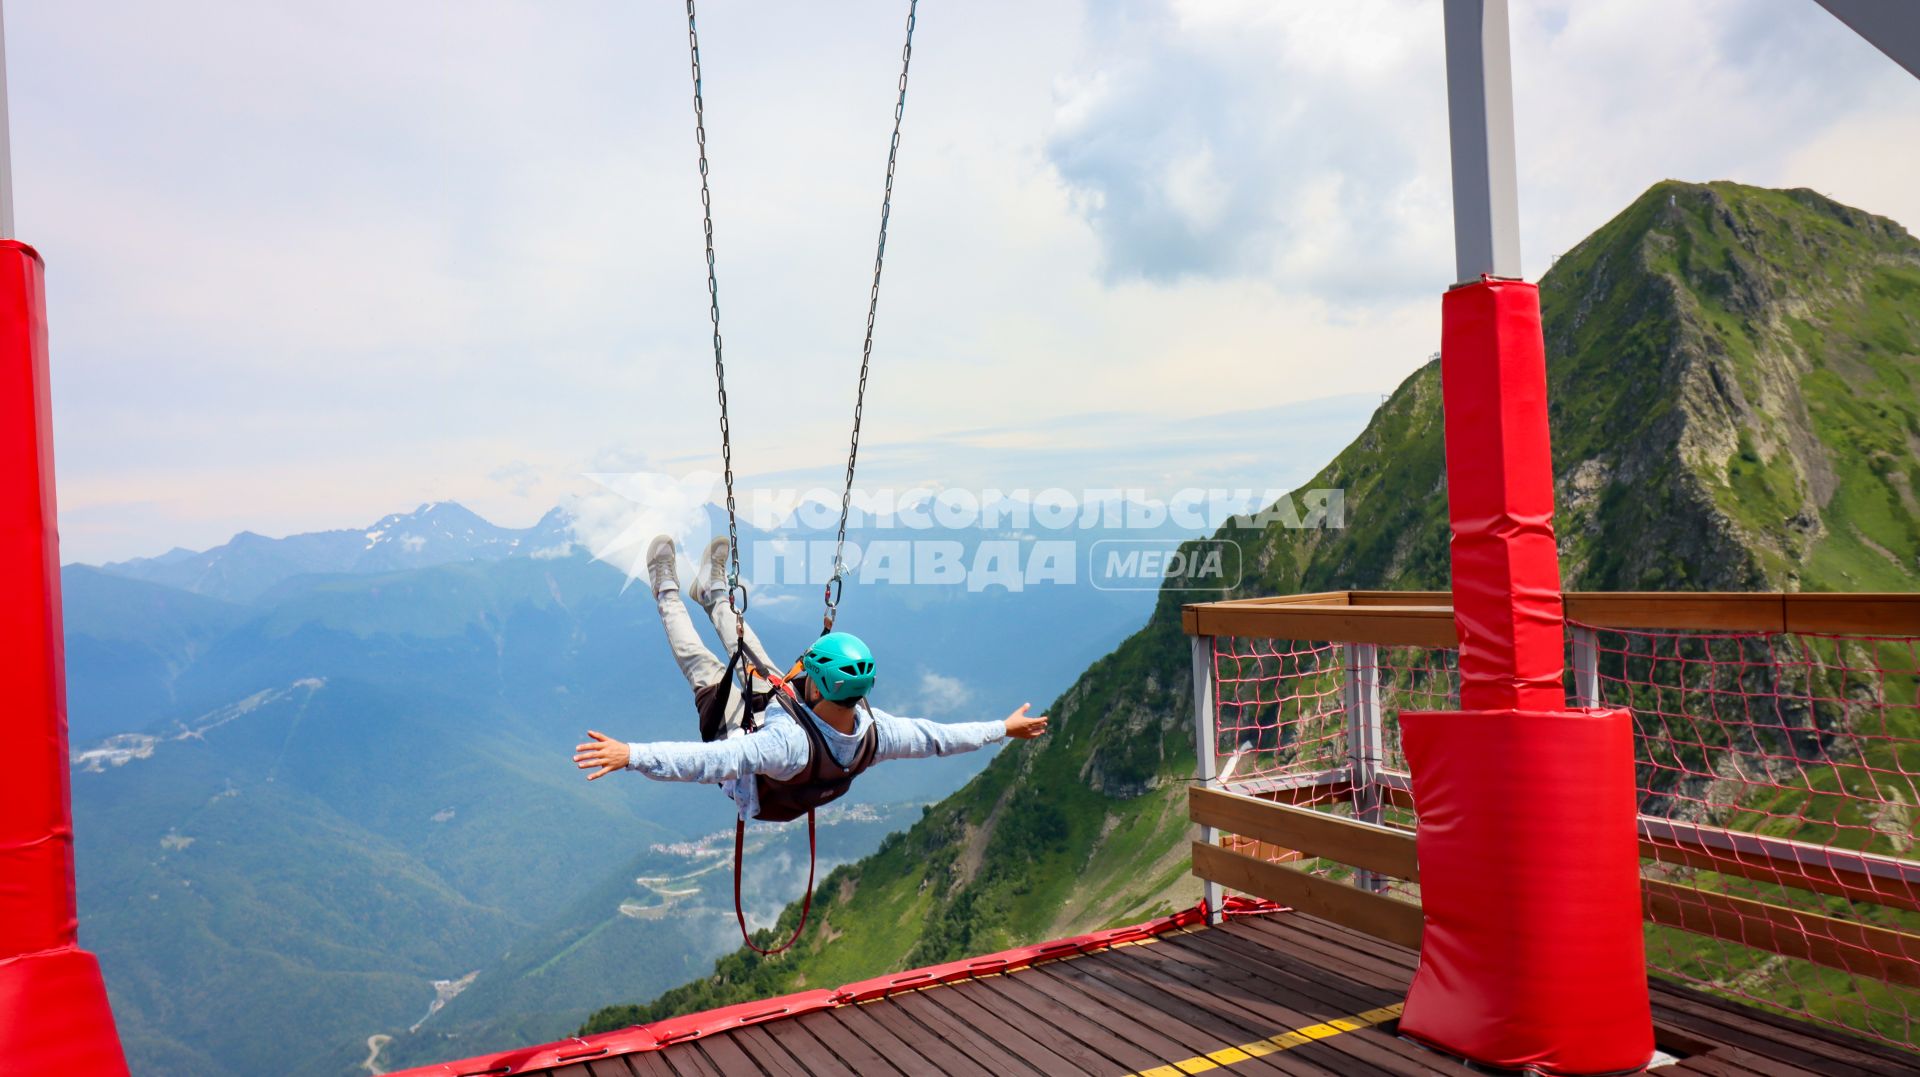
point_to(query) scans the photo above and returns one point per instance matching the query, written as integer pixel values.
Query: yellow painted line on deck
(1282, 1041)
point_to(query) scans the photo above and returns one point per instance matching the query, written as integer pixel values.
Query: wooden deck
(1274, 994)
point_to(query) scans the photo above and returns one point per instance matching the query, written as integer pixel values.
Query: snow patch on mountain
(116, 751)
(250, 565)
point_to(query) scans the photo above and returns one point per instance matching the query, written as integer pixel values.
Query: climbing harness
(713, 714)
(740, 842)
(808, 791)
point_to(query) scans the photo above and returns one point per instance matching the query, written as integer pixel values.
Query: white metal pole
(1204, 749)
(1586, 665)
(1363, 743)
(1486, 208)
(6, 140)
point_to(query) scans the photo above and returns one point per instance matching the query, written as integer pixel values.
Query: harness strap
(713, 715)
(739, 853)
(782, 688)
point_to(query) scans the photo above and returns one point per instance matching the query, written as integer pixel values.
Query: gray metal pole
(1486, 208)
(1204, 749)
(1893, 26)
(6, 140)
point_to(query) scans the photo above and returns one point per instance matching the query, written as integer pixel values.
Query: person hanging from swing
(780, 746)
(778, 749)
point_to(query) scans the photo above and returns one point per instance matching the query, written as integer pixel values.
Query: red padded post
(1532, 953)
(54, 1016)
(1506, 568)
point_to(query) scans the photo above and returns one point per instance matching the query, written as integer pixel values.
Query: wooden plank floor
(1278, 994)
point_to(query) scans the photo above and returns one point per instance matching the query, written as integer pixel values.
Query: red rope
(781, 686)
(739, 845)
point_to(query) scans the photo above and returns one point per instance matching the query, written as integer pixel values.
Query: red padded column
(54, 1016)
(1506, 569)
(1532, 954)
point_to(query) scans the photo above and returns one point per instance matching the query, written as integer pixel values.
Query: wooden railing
(1267, 811)
(1859, 948)
(1425, 618)
(1366, 846)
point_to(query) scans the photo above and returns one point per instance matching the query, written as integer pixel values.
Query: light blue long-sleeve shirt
(779, 748)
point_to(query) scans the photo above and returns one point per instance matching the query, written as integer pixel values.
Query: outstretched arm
(917, 738)
(778, 751)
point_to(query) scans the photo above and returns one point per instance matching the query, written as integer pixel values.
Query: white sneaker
(663, 565)
(710, 580)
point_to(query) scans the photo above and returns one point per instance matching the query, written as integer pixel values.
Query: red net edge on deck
(688, 1027)
(1776, 775)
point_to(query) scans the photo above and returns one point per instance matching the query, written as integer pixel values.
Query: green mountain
(1733, 376)
(131, 641)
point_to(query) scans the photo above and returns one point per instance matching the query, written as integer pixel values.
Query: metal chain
(736, 591)
(834, 584)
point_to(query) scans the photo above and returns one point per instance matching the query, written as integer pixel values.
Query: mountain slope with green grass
(1734, 406)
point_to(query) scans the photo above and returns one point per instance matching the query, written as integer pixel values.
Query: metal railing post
(1586, 664)
(1363, 743)
(1204, 749)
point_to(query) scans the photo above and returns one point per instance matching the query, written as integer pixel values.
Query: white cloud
(1305, 138)
(309, 263)
(942, 693)
(518, 476)
(1615, 96)
(1320, 133)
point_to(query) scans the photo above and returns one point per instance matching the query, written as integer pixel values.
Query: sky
(309, 264)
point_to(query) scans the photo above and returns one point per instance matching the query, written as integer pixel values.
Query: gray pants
(698, 664)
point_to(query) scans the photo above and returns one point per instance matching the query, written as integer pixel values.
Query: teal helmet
(840, 665)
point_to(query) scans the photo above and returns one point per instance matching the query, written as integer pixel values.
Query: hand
(1020, 725)
(603, 752)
